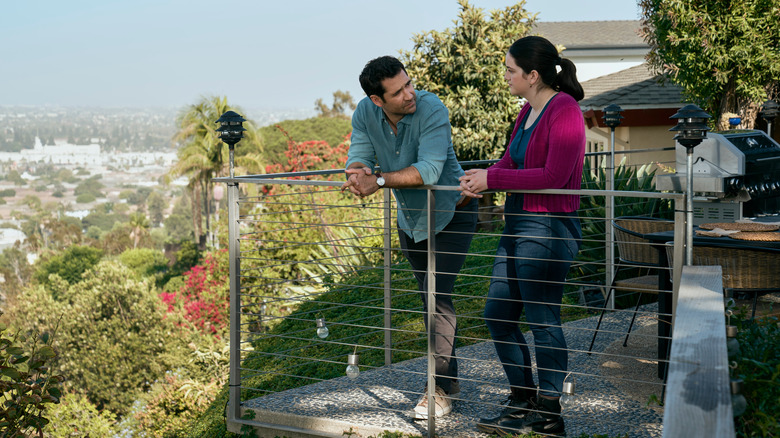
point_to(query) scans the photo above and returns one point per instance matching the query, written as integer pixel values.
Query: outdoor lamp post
(691, 130)
(769, 111)
(231, 131)
(612, 118)
(219, 193)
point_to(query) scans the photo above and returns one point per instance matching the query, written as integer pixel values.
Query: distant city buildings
(66, 154)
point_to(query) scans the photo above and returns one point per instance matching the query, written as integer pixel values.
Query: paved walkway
(614, 386)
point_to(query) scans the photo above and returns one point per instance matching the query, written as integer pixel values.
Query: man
(408, 134)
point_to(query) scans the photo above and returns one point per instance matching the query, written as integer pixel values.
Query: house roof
(632, 88)
(581, 38)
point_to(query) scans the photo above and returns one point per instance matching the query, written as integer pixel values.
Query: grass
(290, 355)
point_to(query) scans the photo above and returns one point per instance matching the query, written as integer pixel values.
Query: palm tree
(202, 155)
(139, 225)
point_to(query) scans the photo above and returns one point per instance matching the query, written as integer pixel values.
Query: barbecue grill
(736, 175)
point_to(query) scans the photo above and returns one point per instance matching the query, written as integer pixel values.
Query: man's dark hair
(377, 70)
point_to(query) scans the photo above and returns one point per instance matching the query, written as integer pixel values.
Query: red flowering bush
(203, 300)
(310, 155)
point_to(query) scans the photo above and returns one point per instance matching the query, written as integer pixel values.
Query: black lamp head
(612, 116)
(691, 126)
(769, 110)
(231, 129)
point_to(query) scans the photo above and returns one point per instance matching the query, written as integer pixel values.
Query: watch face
(380, 181)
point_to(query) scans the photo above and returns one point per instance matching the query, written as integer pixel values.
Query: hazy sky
(260, 54)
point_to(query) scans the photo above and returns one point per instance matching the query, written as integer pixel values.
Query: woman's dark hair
(377, 70)
(536, 53)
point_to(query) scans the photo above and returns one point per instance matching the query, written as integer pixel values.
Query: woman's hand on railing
(473, 182)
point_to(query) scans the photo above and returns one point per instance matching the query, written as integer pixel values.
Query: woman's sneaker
(442, 400)
(547, 418)
(515, 411)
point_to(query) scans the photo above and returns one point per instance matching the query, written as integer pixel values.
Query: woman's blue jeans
(531, 264)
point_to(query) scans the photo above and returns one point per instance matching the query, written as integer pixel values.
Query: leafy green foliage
(592, 211)
(187, 256)
(203, 156)
(178, 225)
(331, 130)
(27, 385)
(75, 415)
(758, 365)
(464, 66)
(69, 265)
(112, 336)
(16, 271)
(724, 54)
(90, 186)
(342, 100)
(172, 404)
(156, 205)
(146, 263)
(102, 219)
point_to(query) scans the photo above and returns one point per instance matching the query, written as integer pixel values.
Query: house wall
(634, 138)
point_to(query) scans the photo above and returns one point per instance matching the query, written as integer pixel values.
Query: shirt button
(398, 152)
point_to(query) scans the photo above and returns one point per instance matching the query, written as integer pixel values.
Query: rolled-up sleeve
(435, 142)
(361, 150)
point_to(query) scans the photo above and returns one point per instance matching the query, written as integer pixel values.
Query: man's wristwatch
(380, 180)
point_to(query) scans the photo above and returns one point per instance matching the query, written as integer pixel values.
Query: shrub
(758, 365)
(69, 265)
(27, 386)
(113, 338)
(145, 262)
(203, 299)
(75, 415)
(172, 404)
(85, 198)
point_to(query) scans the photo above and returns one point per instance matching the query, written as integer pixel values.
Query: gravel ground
(613, 385)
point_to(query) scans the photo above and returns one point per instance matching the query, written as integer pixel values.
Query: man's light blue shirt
(424, 140)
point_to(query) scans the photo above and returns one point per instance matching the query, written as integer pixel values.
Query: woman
(541, 236)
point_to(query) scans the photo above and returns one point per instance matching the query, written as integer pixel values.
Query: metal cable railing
(306, 252)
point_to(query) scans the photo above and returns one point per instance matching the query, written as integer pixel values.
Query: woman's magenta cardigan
(553, 159)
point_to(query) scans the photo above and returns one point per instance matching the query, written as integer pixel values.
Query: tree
(464, 66)
(155, 205)
(15, 270)
(179, 225)
(113, 335)
(75, 415)
(202, 155)
(69, 265)
(724, 54)
(341, 101)
(28, 387)
(139, 226)
(276, 137)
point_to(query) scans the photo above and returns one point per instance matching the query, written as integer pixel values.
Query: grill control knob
(733, 184)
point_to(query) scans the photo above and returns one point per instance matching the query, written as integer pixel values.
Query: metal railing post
(610, 231)
(234, 396)
(431, 306)
(689, 209)
(388, 343)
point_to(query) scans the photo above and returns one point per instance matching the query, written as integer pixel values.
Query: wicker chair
(634, 251)
(749, 269)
